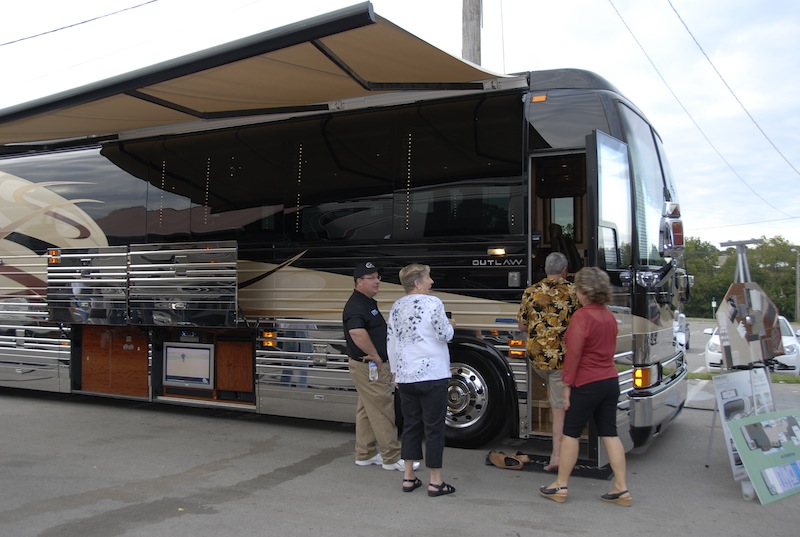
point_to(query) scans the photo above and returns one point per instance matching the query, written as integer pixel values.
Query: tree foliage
(772, 267)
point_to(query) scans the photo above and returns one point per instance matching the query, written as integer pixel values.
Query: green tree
(713, 272)
(772, 267)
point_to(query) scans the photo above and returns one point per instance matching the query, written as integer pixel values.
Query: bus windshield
(648, 188)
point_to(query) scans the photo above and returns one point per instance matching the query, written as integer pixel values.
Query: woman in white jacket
(417, 335)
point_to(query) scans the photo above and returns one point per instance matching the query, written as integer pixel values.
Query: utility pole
(796, 285)
(471, 31)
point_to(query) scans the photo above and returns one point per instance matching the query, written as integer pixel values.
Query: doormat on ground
(524, 461)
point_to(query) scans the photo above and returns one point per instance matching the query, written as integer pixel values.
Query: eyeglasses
(378, 277)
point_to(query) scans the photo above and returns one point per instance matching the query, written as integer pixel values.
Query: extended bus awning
(306, 66)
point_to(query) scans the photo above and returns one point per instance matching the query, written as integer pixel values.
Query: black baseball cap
(364, 268)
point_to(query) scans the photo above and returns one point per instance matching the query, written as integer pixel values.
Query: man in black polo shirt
(365, 334)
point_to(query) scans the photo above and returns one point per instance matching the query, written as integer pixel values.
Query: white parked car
(788, 363)
(680, 332)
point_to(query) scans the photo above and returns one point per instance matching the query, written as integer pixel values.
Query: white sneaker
(400, 465)
(377, 459)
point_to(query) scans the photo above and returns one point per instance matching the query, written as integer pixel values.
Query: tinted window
(445, 169)
(565, 118)
(648, 187)
(614, 205)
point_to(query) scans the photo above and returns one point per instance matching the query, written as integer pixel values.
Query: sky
(716, 78)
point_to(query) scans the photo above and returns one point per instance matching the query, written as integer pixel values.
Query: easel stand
(753, 302)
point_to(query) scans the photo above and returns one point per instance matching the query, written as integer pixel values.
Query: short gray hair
(411, 273)
(555, 263)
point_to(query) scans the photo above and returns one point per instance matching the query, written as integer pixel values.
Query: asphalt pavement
(79, 466)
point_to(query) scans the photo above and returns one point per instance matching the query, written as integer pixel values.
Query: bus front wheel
(475, 402)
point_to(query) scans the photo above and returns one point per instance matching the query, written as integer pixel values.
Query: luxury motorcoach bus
(162, 244)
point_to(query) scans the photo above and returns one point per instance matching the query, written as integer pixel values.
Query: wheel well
(481, 395)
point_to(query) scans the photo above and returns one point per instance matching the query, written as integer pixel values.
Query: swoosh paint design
(260, 277)
(32, 210)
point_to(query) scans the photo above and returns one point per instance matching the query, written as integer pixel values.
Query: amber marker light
(268, 338)
(644, 377)
(516, 348)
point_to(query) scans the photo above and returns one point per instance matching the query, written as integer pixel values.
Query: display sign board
(769, 447)
(741, 394)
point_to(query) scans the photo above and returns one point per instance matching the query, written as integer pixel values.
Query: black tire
(476, 401)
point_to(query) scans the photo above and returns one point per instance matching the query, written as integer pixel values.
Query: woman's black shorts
(596, 399)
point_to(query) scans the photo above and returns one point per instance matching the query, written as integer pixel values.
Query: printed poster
(741, 394)
(769, 447)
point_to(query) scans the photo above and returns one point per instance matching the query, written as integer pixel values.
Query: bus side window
(564, 244)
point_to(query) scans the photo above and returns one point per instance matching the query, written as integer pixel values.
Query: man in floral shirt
(544, 313)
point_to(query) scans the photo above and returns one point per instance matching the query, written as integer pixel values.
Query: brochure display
(763, 445)
(769, 447)
(741, 394)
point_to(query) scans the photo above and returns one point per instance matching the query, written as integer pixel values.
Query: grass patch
(781, 379)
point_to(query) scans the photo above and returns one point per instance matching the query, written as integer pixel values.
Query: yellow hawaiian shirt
(546, 309)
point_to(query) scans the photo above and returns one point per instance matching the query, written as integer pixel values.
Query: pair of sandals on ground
(512, 462)
(410, 485)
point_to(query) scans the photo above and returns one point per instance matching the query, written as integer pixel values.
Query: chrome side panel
(34, 358)
(183, 284)
(302, 370)
(33, 354)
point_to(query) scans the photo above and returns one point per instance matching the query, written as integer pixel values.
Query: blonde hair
(411, 273)
(595, 284)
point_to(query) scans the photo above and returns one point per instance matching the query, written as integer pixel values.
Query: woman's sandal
(616, 497)
(524, 458)
(501, 460)
(415, 484)
(554, 493)
(441, 489)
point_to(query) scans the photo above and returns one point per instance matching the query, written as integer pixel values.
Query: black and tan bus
(186, 234)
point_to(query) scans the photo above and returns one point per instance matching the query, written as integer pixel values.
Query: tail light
(677, 234)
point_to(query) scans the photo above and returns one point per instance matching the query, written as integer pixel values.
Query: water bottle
(373, 371)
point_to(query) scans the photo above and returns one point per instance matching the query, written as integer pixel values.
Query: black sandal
(441, 489)
(554, 493)
(617, 498)
(415, 484)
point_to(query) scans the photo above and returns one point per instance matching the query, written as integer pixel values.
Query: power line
(710, 143)
(748, 223)
(76, 24)
(746, 111)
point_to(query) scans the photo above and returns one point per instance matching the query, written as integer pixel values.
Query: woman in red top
(591, 386)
